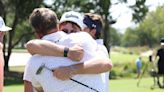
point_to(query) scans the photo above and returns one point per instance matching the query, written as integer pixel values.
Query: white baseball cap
(162, 41)
(74, 17)
(3, 27)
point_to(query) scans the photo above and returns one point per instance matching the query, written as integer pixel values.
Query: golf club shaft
(76, 81)
(84, 85)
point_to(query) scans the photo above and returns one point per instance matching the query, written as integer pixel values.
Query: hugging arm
(44, 47)
(92, 66)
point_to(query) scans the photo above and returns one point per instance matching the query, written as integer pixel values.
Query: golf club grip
(84, 85)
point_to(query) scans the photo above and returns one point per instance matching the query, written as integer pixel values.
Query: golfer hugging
(60, 72)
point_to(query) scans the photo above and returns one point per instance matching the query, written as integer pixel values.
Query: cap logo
(93, 25)
(73, 16)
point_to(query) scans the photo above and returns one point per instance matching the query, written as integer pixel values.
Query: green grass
(130, 85)
(20, 50)
(13, 88)
(118, 57)
(14, 81)
(123, 58)
(124, 64)
(120, 85)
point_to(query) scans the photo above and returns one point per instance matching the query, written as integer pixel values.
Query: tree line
(148, 32)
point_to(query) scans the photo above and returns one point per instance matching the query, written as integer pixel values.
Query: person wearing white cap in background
(160, 63)
(3, 29)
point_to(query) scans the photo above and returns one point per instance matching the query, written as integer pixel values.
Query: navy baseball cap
(92, 24)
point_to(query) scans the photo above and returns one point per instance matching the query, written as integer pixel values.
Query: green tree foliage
(149, 32)
(115, 37)
(130, 38)
(17, 12)
(152, 27)
(139, 10)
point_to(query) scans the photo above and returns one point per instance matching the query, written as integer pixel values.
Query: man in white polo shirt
(47, 30)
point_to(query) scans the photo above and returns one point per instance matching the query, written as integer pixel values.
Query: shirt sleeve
(27, 73)
(102, 51)
(84, 39)
(30, 72)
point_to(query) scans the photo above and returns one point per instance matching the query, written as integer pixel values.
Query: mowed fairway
(13, 88)
(120, 85)
(123, 58)
(130, 85)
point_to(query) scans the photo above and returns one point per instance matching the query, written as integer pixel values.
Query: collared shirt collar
(55, 37)
(99, 41)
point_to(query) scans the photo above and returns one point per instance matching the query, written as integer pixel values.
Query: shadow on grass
(13, 78)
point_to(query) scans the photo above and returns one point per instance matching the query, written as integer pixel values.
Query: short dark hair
(43, 20)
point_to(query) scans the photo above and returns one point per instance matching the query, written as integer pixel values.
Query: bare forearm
(1, 61)
(44, 48)
(1, 66)
(28, 86)
(93, 66)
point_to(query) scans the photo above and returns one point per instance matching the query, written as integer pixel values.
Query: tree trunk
(6, 58)
(10, 45)
(2, 9)
(106, 35)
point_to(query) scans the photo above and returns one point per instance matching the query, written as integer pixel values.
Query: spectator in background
(139, 66)
(160, 63)
(160, 55)
(3, 28)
